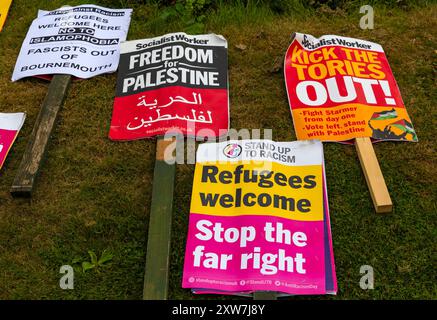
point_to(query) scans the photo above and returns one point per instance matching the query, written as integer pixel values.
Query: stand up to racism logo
(232, 150)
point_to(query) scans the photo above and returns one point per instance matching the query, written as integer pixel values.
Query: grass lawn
(94, 194)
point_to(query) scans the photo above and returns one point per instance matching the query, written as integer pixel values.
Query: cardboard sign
(259, 220)
(10, 125)
(342, 88)
(83, 41)
(4, 8)
(173, 83)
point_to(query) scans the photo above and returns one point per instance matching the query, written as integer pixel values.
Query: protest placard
(175, 84)
(10, 125)
(83, 41)
(172, 83)
(341, 88)
(4, 9)
(259, 220)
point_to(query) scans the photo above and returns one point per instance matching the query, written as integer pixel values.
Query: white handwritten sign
(83, 41)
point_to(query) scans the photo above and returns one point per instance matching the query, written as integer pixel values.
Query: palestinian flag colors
(384, 115)
(405, 126)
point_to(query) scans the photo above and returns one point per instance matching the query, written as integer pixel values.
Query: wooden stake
(36, 148)
(372, 172)
(159, 236)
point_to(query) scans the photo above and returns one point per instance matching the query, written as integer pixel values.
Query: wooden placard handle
(36, 148)
(375, 180)
(159, 236)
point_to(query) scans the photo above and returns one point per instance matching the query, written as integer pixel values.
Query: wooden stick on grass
(375, 180)
(159, 236)
(36, 148)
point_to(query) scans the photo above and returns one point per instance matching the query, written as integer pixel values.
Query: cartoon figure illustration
(387, 133)
(406, 127)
